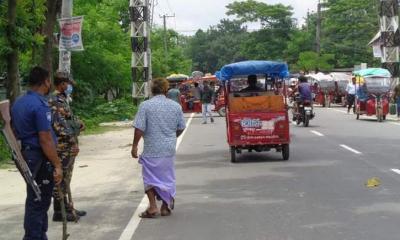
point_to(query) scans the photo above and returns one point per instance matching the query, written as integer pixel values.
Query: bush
(5, 154)
(101, 111)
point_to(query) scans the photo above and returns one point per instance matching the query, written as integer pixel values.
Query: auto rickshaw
(341, 81)
(256, 120)
(372, 92)
(324, 88)
(194, 106)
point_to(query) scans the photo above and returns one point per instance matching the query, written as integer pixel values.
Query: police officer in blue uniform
(31, 119)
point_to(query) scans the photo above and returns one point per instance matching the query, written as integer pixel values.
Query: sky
(191, 15)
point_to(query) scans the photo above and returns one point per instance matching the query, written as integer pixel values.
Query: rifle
(22, 166)
(65, 234)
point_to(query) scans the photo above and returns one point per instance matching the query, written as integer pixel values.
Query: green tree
(310, 61)
(221, 44)
(277, 24)
(347, 28)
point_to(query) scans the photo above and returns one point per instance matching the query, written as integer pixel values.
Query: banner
(71, 34)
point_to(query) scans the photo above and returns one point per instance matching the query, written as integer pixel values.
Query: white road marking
(133, 224)
(396, 170)
(317, 133)
(350, 149)
(395, 123)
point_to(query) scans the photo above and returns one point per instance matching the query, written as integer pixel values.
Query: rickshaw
(341, 81)
(372, 92)
(324, 88)
(190, 106)
(256, 121)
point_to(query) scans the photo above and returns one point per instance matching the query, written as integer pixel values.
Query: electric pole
(390, 36)
(64, 61)
(164, 17)
(139, 11)
(318, 32)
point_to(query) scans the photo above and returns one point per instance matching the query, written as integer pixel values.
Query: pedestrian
(196, 92)
(159, 121)
(31, 119)
(174, 94)
(206, 96)
(66, 128)
(351, 94)
(397, 98)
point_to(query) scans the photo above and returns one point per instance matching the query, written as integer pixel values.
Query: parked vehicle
(256, 120)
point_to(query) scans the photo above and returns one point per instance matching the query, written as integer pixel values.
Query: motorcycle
(304, 113)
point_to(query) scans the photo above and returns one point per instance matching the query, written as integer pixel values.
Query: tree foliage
(347, 27)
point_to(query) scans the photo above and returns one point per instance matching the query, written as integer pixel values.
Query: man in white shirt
(351, 94)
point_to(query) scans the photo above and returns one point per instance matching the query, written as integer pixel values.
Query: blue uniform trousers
(36, 220)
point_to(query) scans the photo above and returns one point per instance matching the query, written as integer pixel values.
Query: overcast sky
(191, 15)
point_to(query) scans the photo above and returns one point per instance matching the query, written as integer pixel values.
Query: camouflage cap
(61, 77)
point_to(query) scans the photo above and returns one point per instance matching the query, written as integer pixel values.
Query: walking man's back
(207, 95)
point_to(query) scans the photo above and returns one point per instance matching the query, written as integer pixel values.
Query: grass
(92, 115)
(100, 112)
(5, 154)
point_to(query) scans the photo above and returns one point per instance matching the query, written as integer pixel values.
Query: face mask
(69, 90)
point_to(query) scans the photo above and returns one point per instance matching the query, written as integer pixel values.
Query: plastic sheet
(275, 69)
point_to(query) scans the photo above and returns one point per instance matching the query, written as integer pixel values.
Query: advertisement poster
(71, 34)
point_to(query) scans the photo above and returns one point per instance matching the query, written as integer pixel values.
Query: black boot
(80, 213)
(57, 217)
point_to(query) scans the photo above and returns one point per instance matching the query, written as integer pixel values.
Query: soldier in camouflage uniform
(67, 128)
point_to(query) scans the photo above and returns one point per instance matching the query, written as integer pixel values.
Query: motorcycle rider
(304, 91)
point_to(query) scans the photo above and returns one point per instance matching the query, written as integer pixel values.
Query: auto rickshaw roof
(373, 72)
(177, 77)
(275, 69)
(320, 77)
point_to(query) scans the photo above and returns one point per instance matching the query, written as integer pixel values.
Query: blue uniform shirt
(30, 115)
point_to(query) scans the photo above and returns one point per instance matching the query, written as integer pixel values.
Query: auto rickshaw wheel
(358, 116)
(285, 152)
(233, 155)
(384, 117)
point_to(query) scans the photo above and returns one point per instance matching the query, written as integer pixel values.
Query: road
(319, 193)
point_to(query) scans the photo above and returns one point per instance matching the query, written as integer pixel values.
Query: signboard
(71, 34)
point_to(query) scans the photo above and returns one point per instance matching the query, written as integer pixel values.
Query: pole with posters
(64, 61)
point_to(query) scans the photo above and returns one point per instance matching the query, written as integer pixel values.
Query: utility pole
(390, 36)
(318, 32)
(164, 17)
(64, 61)
(140, 42)
(12, 83)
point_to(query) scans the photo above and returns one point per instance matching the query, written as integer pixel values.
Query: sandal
(166, 212)
(147, 214)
